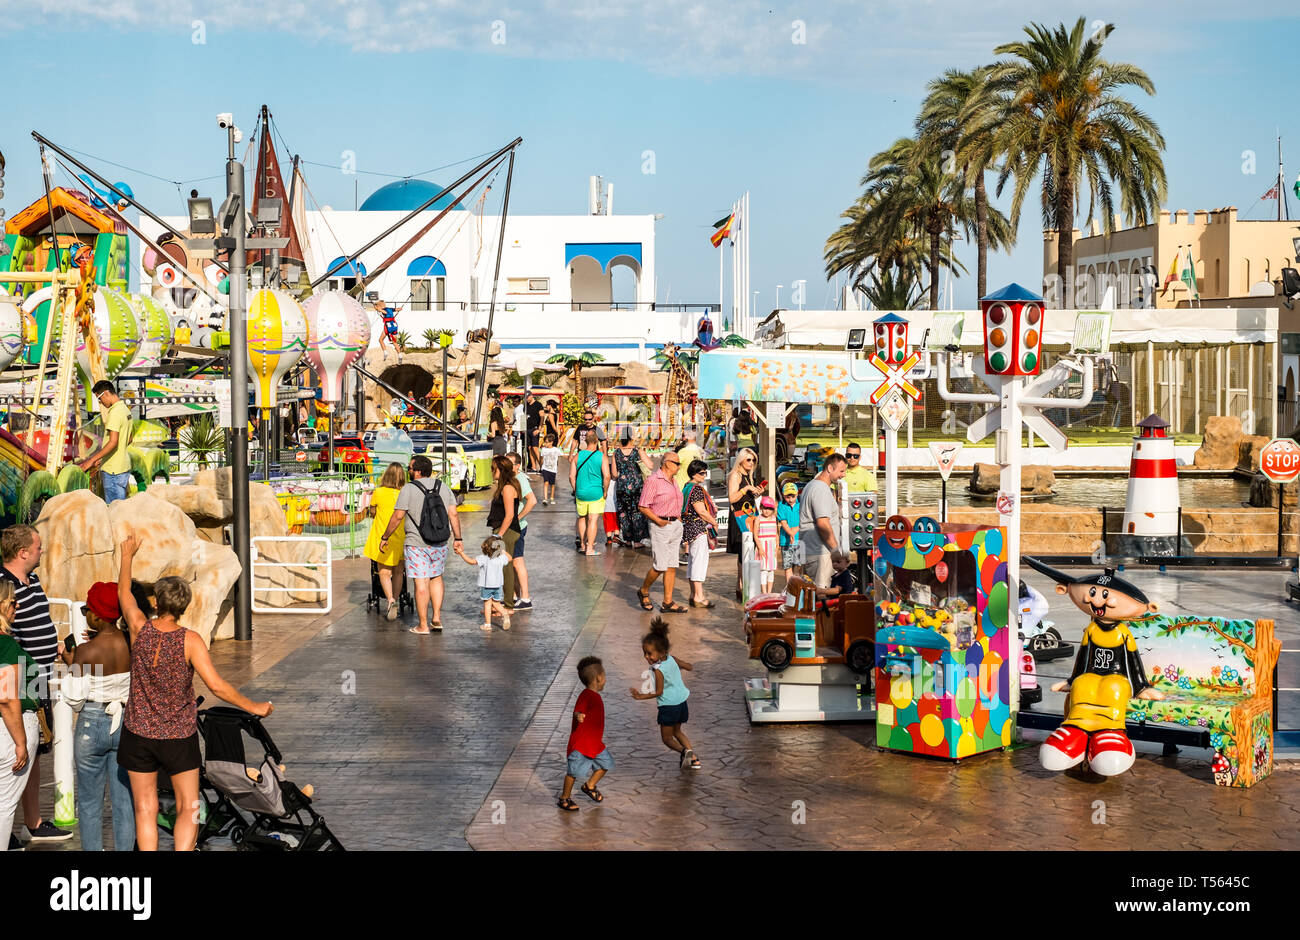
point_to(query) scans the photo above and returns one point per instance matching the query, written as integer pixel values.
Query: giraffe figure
(679, 395)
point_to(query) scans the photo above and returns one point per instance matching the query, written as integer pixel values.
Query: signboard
(781, 375)
(894, 409)
(221, 389)
(1006, 503)
(945, 455)
(1280, 460)
(775, 414)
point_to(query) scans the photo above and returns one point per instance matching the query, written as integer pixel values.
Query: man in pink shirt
(661, 503)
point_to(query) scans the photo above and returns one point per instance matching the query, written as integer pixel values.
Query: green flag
(1188, 275)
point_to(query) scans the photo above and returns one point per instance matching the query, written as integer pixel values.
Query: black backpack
(435, 527)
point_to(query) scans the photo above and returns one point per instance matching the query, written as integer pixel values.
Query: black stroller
(376, 596)
(266, 813)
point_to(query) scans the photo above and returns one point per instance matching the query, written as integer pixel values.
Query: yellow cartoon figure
(1107, 673)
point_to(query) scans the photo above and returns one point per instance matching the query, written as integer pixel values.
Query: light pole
(778, 296)
(232, 220)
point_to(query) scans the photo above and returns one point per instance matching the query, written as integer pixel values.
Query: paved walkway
(827, 786)
(456, 741)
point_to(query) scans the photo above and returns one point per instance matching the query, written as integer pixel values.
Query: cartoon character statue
(1107, 673)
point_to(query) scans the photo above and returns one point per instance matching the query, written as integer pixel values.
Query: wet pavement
(457, 741)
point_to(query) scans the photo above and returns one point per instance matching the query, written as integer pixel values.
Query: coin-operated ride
(818, 654)
(1107, 673)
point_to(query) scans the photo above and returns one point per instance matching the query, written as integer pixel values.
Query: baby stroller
(269, 813)
(376, 596)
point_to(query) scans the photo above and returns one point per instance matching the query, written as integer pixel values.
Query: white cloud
(845, 38)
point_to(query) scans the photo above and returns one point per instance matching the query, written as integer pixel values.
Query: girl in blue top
(669, 691)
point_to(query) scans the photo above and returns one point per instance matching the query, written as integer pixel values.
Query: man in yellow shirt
(858, 479)
(687, 452)
(116, 471)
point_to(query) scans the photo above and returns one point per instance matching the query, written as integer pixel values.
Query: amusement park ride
(64, 272)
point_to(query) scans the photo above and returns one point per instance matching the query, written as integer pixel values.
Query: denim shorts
(670, 715)
(116, 485)
(519, 546)
(491, 594)
(581, 766)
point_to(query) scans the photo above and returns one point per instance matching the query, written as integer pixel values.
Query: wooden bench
(1217, 676)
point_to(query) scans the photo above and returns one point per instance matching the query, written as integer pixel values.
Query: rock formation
(986, 479)
(1219, 445)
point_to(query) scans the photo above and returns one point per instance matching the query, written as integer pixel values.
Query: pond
(1196, 492)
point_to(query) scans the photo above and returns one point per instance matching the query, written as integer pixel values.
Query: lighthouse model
(1151, 514)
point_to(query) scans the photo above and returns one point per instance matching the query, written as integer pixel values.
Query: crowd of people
(132, 685)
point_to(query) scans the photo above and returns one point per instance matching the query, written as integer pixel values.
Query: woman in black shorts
(160, 728)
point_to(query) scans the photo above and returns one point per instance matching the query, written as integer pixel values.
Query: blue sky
(723, 94)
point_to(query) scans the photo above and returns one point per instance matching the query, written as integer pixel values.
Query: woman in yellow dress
(382, 501)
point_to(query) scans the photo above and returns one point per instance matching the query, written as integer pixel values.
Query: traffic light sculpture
(1013, 331)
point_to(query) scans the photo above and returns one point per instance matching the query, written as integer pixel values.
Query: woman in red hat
(97, 688)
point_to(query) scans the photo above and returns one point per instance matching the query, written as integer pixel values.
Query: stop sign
(1280, 460)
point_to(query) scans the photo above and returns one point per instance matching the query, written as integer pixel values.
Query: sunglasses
(853, 456)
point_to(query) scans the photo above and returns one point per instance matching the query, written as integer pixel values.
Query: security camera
(225, 120)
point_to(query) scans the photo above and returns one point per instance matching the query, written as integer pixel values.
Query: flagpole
(722, 247)
(1279, 177)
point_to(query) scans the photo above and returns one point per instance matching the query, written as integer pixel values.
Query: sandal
(672, 608)
(707, 605)
(595, 795)
(693, 760)
(505, 623)
(567, 805)
(486, 627)
(418, 632)
(646, 603)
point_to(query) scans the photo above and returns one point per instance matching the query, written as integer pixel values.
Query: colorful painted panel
(782, 375)
(1198, 654)
(942, 651)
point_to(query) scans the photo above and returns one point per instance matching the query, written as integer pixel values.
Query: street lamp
(778, 296)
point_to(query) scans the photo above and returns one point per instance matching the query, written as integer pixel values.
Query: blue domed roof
(406, 195)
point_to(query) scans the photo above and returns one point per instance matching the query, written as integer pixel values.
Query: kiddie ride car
(818, 652)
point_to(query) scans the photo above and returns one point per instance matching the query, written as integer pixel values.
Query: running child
(550, 466)
(588, 756)
(670, 691)
(491, 580)
(764, 526)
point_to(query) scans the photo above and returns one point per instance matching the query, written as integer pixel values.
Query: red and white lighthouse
(1151, 513)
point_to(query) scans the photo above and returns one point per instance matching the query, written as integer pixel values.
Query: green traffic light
(998, 362)
(1030, 361)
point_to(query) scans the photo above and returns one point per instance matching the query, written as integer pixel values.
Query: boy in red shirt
(586, 752)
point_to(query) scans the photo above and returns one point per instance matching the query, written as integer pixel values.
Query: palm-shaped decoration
(574, 365)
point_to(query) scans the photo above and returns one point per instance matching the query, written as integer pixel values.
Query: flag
(1188, 275)
(722, 229)
(1271, 194)
(1172, 275)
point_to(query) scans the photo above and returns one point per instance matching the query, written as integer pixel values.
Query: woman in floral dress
(627, 472)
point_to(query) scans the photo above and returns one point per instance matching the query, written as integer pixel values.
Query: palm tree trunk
(1065, 240)
(934, 269)
(577, 383)
(981, 237)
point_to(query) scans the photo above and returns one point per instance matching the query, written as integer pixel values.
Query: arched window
(428, 283)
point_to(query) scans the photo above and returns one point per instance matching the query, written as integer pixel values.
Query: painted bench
(1217, 676)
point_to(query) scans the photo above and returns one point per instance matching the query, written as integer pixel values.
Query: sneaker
(15, 845)
(523, 605)
(392, 610)
(48, 832)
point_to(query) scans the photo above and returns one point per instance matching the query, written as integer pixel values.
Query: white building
(567, 282)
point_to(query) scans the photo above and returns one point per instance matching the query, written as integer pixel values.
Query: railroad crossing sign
(1280, 460)
(894, 409)
(895, 377)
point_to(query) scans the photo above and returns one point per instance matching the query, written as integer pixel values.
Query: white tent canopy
(1201, 326)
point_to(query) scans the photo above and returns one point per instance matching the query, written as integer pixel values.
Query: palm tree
(893, 290)
(868, 241)
(430, 338)
(1066, 119)
(958, 123)
(918, 198)
(575, 365)
(403, 339)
